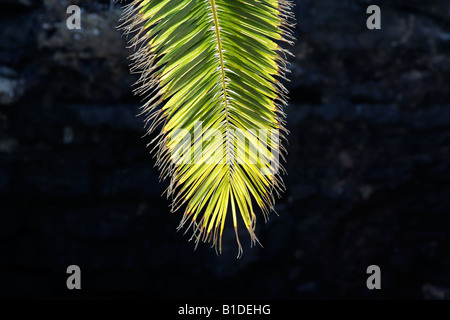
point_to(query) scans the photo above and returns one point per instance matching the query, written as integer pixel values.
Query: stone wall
(369, 163)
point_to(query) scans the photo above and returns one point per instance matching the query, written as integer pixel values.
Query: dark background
(368, 164)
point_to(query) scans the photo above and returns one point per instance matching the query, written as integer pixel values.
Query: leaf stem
(222, 68)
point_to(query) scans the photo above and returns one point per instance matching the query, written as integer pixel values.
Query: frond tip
(210, 73)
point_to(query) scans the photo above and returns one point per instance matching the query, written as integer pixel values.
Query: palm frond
(210, 73)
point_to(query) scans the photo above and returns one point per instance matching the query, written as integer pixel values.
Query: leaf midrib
(222, 69)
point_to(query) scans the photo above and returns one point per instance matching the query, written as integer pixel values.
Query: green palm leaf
(210, 72)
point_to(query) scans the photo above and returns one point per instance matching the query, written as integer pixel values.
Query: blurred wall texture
(368, 163)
